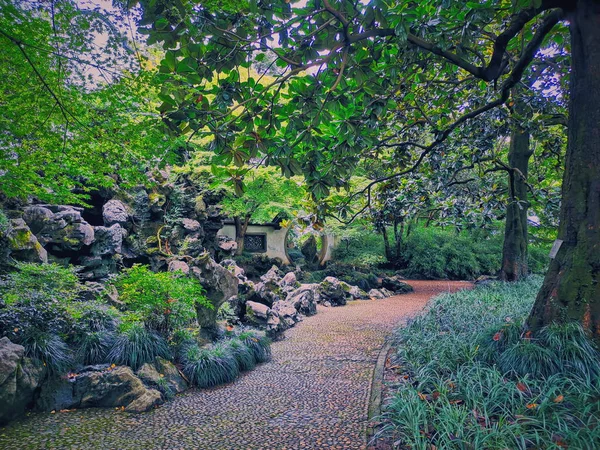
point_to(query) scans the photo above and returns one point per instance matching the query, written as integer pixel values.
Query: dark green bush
(41, 282)
(433, 253)
(37, 316)
(136, 346)
(207, 367)
(436, 253)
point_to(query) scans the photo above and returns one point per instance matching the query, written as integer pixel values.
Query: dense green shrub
(476, 379)
(135, 345)
(164, 301)
(363, 250)
(436, 253)
(36, 316)
(226, 312)
(41, 282)
(207, 367)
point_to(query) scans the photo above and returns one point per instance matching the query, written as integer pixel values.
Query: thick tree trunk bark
(514, 252)
(571, 289)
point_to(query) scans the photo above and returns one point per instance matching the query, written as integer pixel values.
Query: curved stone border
(374, 407)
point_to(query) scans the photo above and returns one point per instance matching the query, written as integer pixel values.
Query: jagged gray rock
(19, 379)
(162, 371)
(220, 285)
(305, 299)
(108, 240)
(23, 244)
(114, 211)
(332, 292)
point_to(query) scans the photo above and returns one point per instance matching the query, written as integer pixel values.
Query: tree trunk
(387, 246)
(240, 233)
(514, 252)
(398, 236)
(571, 289)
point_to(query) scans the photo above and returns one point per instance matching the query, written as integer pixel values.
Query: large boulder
(114, 211)
(310, 251)
(289, 282)
(305, 299)
(23, 244)
(263, 317)
(114, 387)
(332, 292)
(108, 240)
(287, 313)
(395, 285)
(190, 225)
(220, 285)
(272, 277)
(267, 293)
(20, 377)
(65, 228)
(354, 292)
(37, 217)
(162, 372)
(99, 386)
(97, 267)
(231, 265)
(381, 293)
(177, 265)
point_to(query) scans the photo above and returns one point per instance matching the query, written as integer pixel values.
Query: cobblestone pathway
(313, 395)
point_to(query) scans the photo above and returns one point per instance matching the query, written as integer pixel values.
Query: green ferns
(475, 379)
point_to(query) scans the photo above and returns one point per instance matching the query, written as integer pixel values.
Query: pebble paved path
(313, 395)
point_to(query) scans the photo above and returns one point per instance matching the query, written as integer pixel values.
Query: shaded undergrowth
(474, 379)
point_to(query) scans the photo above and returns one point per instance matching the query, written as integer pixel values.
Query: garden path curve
(313, 395)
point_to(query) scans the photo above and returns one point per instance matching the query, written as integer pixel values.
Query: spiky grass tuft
(48, 348)
(259, 345)
(94, 347)
(243, 355)
(476, 378)
(207, 367)
(137, 346)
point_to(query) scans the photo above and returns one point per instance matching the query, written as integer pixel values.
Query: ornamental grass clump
(474, 377)
(48, 348)
(259, 345)
(135, 346)
(93, 347)
(211, 366)
(243, 355)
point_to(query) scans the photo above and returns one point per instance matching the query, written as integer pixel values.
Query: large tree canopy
(78, 112)
(351, 80)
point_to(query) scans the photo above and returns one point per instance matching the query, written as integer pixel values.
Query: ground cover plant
(474, 378)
